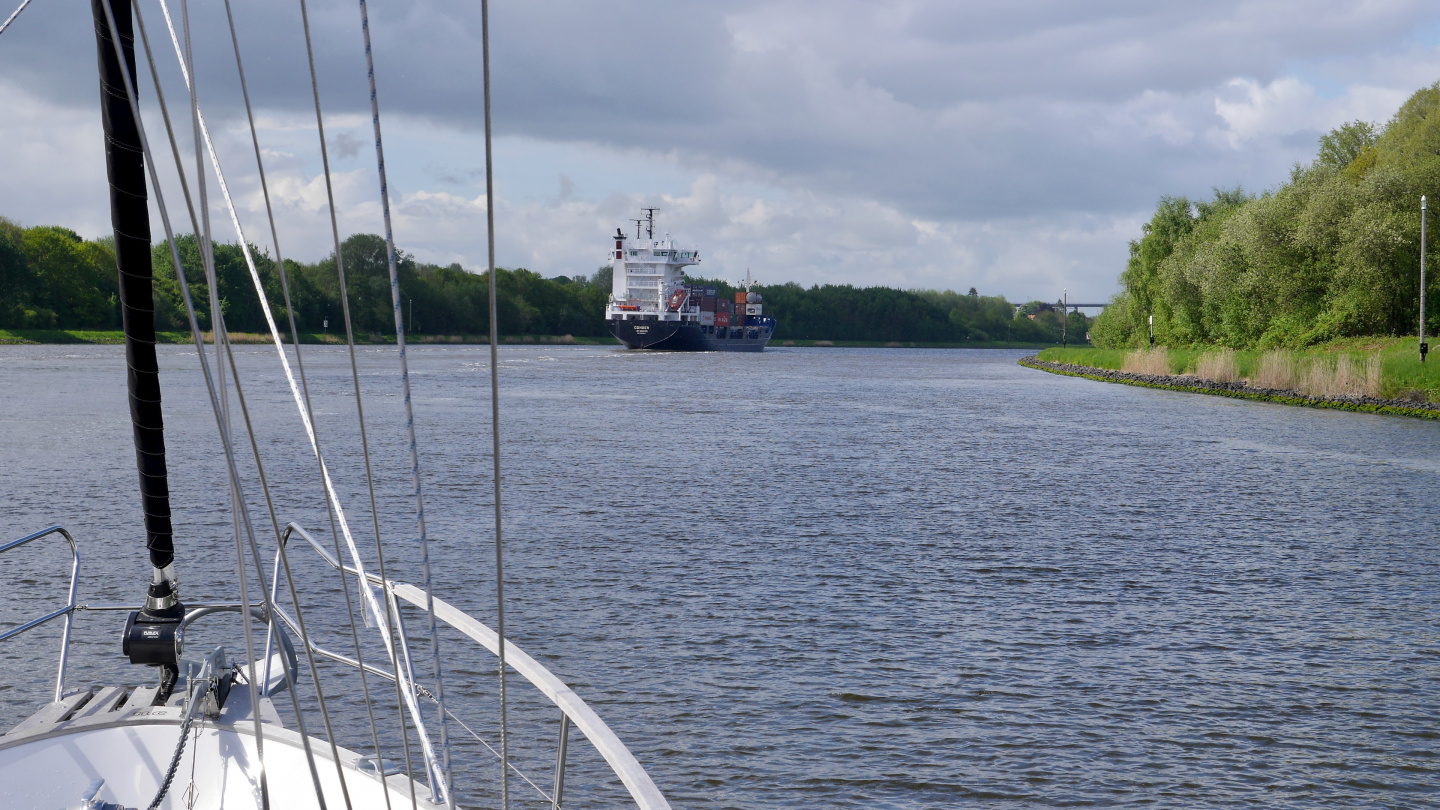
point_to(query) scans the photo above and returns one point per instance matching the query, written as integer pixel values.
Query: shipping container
(707, 304)
(727, 307)
(740, 297)
(707, 318)
(753, 309)
(722, 319)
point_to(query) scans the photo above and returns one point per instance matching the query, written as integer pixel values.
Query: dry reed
(1340, 376)
(1153, 361)
(1218, 366)
(1344, 377)
(1276, 369)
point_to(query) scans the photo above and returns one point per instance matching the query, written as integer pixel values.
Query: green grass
(80, 336)
(1402, 374)
(911, 344)
(1387, 410)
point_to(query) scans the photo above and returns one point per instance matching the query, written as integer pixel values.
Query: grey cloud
(946, 110)
(345, 144)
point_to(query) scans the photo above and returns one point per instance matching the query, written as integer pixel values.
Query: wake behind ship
(653, 306)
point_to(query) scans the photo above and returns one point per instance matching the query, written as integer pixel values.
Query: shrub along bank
(1389, 368)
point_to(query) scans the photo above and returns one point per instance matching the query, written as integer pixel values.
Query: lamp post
(1064, 318)
(1152, 333)
(1424, 347)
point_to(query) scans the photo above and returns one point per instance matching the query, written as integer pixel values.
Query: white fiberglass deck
(49, 763)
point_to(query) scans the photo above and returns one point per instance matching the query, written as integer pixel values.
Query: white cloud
(1253, 111)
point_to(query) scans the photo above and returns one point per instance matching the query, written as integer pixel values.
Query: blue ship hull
(688, 336)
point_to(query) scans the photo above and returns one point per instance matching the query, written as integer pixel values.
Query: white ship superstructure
(649, 280)
(654, 306)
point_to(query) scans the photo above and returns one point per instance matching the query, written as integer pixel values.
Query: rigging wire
(333, 505)
(11, 18)
(409, 429)
(375, 736)
(274, 332)
(488, 747)
(210, 389)
(165, 114)
(299, 362)
(270, 610)
(369, 602)
(218, 332)
(302, 402)
(354, 374)
(495, 406)
(220, 407)
(285, 663)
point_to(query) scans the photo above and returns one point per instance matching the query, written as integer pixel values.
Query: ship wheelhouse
(649, 276)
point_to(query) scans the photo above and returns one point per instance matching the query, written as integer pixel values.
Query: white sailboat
(203, 728)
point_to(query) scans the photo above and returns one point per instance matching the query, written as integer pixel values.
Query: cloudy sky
(1015, 147)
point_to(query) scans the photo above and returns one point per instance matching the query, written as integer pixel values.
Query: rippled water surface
(819, 577)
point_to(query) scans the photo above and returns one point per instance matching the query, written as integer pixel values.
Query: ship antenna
(638, 223)
(650, 222)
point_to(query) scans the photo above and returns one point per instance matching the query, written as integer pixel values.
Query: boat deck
(55, 757)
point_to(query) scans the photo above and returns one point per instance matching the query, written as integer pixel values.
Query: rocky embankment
(1240, 390)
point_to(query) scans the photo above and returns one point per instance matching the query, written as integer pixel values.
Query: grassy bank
(1392, 364)
(894, 344)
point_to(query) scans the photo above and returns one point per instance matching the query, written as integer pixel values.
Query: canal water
(811, 577)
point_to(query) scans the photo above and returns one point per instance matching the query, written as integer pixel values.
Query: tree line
(1333, 252)
(51, 278)
(885, 314)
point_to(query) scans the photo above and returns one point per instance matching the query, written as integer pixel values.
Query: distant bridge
(1069, 305)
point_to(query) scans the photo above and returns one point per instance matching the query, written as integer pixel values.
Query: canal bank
(1240, 389)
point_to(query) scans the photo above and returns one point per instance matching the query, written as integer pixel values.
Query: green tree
(73, 279)
(17, 282)
(1342, 145)
(1332, 253)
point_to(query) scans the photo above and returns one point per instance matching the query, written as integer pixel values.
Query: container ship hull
(681, 336)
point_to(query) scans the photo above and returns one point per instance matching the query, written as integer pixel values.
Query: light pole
(1064, 318)
(1152, 333)
(1424, 347)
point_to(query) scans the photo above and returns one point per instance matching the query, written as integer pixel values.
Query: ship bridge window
(662, 253)
(634, 253)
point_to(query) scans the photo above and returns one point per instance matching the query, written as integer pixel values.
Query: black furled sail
(150, 635)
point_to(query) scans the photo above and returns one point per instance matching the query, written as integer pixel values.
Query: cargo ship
(654, 306)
